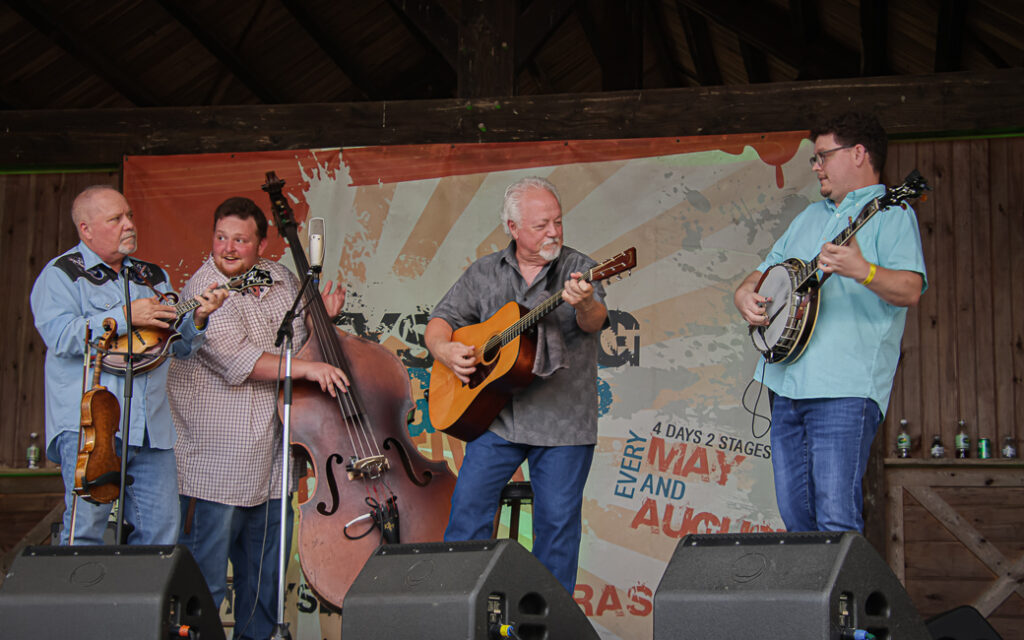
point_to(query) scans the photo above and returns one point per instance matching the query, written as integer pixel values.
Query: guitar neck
(532, 317)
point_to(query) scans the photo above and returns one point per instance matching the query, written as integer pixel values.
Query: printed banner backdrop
(678, 453)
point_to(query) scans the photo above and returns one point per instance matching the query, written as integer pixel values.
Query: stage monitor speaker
(781, 585)
(962, 623)
(442, 591)
(107, 592)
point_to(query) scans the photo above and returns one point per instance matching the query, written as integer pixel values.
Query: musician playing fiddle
(224, 402)
(553, 421)
(83, 285)
(827, 404)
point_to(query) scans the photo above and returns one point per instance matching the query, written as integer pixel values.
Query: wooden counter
(956, 536)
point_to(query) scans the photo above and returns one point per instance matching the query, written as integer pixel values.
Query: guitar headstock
(254, 277)
(913, 186)
(614, 265)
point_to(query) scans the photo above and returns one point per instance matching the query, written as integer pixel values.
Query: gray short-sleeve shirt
(555, 409)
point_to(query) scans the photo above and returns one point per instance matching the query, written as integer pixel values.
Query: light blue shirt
(855, 346)
(76, 287)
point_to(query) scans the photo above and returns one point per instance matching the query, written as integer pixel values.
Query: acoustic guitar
(505, 347)
(151, 347)
(793, 285)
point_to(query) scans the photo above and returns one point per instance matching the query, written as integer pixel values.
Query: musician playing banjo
(828, 401)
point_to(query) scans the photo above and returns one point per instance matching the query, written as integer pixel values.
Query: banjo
(793, 284)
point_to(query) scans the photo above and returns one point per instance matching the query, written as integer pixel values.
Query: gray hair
(510, 206)
(82, 206)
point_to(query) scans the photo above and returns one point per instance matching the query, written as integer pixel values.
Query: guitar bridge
(366, 468)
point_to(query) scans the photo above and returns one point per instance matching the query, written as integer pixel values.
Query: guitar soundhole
(489, 355)
(479, 376)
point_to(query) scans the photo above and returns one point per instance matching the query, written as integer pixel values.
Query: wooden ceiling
(88, 54)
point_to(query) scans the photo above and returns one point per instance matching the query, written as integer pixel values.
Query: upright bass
(371, 482)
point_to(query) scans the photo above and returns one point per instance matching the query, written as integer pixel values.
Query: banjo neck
(870, 209)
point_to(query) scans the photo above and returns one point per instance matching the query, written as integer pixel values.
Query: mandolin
(151, 347)
(504, 352)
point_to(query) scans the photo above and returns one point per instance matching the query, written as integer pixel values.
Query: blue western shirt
(77, 287)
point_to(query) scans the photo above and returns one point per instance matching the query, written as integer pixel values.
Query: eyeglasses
(819, 158)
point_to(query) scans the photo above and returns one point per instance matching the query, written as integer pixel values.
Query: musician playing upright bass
(83, 285)
(552, 422)
(828, 403)
(224, 402)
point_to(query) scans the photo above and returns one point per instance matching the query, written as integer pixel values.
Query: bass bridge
(368, 468)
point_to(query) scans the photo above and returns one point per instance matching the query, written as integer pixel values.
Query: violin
(98, 469)
(369, 474)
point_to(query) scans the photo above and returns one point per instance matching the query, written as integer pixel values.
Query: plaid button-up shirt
(229, 444)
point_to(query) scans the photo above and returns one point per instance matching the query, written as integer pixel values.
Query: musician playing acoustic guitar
(85, 284)
(828, 403)
(553, 421)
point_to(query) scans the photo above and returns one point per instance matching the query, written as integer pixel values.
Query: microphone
(317, 228)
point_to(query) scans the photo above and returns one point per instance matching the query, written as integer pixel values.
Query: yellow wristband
(871, 275)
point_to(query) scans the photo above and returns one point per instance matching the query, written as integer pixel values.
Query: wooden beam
(698, 39)
(328, 43)
(949, 37)
(487, 32)
(874, 28)
(77, 44)
(220, 50)
(535, 26)
(933, 104)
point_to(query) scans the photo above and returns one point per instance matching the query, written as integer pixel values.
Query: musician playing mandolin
(827, 404)
(552, 423)
(224, 402)
(84, 285)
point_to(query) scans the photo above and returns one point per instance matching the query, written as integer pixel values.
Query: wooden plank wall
(963, 348)
(35, 216)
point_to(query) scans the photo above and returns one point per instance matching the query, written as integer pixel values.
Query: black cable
(753, 411)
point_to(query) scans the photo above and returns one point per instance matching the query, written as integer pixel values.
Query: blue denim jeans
(248, 536)
(557, 475)
(149, 502)
(820, 449)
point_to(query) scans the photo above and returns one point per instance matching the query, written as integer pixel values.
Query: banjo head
(776, 284)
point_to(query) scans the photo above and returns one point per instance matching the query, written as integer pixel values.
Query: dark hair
(857, 128)
(245, 209)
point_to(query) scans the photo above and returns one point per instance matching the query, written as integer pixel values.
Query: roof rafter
(874, 27)
(770, 29)
(949, 38)
(616, 37)
(535, 26)
(360, 81)
(77, 45)
(220, 50)
(431, 23)
(698, 39)
(675, 74)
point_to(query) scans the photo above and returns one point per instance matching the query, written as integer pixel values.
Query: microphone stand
(285, 336)
(126, 407)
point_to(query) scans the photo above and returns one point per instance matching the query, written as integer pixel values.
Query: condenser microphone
(317, 228)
